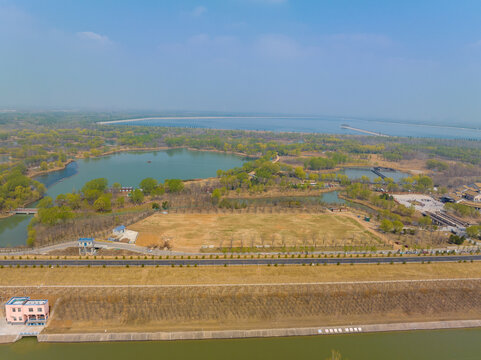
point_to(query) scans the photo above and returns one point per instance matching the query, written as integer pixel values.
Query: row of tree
(96, 195)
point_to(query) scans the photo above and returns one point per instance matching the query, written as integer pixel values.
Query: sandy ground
(191, 232)
(421, 202)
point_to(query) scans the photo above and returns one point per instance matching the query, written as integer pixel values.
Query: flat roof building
(23, 310)
(86, 246)
(472, 195)
(119, 230)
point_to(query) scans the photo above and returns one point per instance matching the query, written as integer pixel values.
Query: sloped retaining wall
(6, 339)
(237, 334)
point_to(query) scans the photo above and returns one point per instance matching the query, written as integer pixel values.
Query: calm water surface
(131, 168)
(126, 168)
(13, 231)
(419, 345)
(318, 125)
(358, 173)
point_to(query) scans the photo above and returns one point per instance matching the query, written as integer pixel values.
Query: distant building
(122, 189)
(22, 310)
(122, 234)
(119, 230)
(472, 195)
(86, 246)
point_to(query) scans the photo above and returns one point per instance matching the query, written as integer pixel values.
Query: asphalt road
(221, 262)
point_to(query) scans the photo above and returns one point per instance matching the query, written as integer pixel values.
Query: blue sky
(413, 60)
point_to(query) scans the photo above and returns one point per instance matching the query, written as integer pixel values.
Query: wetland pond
(127, 168)
(356, 173)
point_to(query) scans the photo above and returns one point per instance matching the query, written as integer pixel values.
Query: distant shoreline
(202, 118)
(113, 122)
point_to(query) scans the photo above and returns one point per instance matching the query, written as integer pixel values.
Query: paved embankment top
(237, 334)
(242, 261)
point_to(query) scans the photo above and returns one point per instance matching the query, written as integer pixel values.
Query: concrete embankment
(6, 339)
(237, 334)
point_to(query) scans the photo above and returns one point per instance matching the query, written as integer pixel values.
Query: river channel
(413, 345)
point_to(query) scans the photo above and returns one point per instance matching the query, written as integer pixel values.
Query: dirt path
(371, 228)
(369, 282)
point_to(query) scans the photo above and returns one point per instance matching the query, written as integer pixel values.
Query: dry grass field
(247, 307)
(413, 166)
(234, 274)
(297, 296)
(191, 232)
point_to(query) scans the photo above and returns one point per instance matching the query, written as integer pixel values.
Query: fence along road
(221, 262)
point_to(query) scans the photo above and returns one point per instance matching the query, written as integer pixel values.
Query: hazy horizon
(374, 60)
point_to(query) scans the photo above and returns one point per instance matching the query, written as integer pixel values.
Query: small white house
(119, 230)
(122, 234)
(86, 246)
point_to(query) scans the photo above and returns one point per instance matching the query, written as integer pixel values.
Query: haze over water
(316, 125)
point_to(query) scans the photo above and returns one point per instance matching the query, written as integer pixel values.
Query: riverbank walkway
(238, 334)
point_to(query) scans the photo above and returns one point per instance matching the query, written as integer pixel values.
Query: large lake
(317, 125)
(128, 168)
(415, 345)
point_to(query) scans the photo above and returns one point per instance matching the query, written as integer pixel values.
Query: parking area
(420, 202)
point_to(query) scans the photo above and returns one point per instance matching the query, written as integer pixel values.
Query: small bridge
(24, 211)
(377, 171)
(444, 219)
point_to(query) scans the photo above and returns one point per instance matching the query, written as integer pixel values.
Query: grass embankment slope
(234, 274)
(287, 302)
(189, 232)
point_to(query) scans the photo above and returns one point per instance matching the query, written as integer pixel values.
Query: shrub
(456, 239)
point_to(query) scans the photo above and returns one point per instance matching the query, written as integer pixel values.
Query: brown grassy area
(279, 192)
(181, 308)
(233, 274)
(415, 166)
(74, 252)
(91, 225)
(422, 239)
(189, 232)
